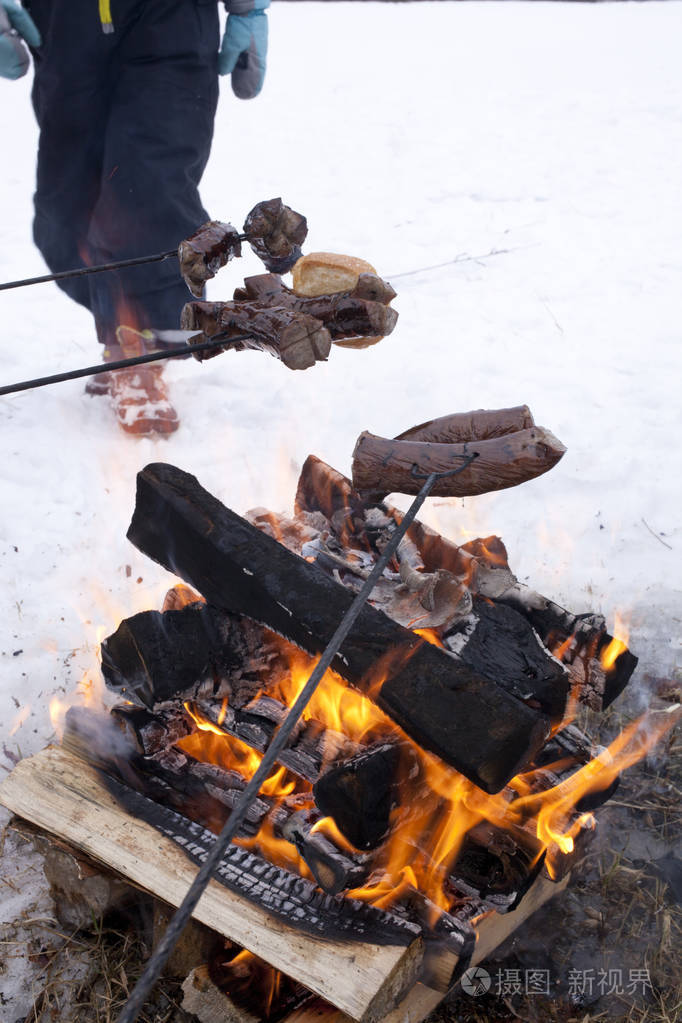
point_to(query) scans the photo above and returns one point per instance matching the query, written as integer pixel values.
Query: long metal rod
(221, 340)
(158, 959)
(82, 271)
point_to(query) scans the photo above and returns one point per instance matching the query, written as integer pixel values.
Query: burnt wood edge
(293, 899)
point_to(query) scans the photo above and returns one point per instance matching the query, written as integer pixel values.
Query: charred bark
(382, 466)
(334, 870)
(582, 638)
(155, 655)
(150, 733)
(289, 897)
(498, 643)
(360, 794)
(311, 746)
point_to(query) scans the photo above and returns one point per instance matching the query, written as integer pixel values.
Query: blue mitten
(244, 51)
(15, 24)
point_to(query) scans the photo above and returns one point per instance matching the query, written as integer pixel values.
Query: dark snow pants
(126, 123)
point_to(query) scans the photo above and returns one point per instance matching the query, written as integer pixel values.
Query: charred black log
(581, 638)
(498, 643)
(275, 233)
(152, 733)
(361, 793)
(382, 466)
(155, 655)
(471, 723)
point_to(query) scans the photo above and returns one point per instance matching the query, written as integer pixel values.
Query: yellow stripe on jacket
(105, 16)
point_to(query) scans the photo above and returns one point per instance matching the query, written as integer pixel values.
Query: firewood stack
(451, 706)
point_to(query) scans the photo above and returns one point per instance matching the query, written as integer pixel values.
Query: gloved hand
(244, 50)
(15, 24)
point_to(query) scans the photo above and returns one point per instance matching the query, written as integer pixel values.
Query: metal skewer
(82, 271)
(158, 959)
(221, 340)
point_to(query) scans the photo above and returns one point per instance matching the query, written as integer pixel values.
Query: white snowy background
(514, 170)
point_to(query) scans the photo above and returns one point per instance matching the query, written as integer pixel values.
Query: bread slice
(324, 273)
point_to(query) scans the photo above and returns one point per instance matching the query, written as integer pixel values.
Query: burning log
(275, 232)
(155, 655)
(333, 869)
(360, 794)
(205, 792)
(382, 466)
(498, 643)
(202, 254)
(581, 638)
(311, 747)
(297, 339)
(470, 722)
(282, 893)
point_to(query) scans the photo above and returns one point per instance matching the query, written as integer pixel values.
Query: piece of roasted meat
(201, 256)
(275, 233)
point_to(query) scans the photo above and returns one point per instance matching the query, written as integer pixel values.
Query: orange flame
(618, 644)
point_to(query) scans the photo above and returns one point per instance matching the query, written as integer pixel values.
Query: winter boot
(139, 393)
(99, 384)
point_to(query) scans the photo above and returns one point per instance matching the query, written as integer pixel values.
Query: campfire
(437, 788)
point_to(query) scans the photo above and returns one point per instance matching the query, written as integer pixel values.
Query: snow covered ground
(514, 171)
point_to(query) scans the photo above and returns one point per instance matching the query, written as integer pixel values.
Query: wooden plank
(420, 1001)
(59, 792)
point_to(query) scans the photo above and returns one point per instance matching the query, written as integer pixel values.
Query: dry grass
(89, 976)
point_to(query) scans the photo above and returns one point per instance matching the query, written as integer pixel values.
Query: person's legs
(158, 139)
(70, 99)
